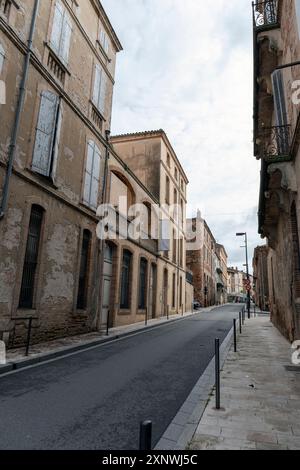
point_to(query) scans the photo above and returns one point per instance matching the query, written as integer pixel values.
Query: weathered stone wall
(65, 216)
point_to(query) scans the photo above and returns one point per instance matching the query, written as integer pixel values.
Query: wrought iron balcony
(274, 144)
(266, 14)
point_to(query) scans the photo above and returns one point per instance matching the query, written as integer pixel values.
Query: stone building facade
(276, 27)
(261, 281)
(207, 260)
(150, 156)
(221, 274)
(63, 53)
(62, 167)
(236, 288)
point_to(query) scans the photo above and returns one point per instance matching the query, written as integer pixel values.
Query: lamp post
(244, 234)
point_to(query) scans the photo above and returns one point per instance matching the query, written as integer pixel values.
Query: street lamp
(244, 234)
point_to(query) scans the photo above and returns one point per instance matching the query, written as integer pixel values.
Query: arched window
(84, 270)
(121, 189)
(143, 284)
(31, 258)
(167, 190)
(176, 174)
(2, 57)
(125, 280)
(168, 160)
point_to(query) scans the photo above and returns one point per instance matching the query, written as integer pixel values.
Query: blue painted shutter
(92, 176)
(57, 27)
(45, 133)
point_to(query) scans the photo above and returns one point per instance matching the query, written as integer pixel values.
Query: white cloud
(187, 68)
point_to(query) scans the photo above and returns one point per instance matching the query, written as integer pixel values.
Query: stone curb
(181, 431)
(45, 357)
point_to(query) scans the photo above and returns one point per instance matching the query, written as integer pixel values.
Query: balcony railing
(275, 144)
(266, 14)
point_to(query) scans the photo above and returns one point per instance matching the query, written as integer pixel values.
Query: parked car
(197, 305)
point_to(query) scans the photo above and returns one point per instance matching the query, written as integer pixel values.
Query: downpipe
(18, 116)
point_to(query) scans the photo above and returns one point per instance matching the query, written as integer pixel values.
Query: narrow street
(96, 399)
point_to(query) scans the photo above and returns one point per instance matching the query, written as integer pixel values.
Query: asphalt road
(95, 400)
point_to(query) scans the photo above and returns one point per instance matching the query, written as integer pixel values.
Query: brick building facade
(261, 281)
(276, 27)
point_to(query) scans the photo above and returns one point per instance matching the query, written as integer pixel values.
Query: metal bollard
(28, 337)
(235, 335)
(240, 321)
(146, 317)
(146, 435)
(218, 379)
(168, 312)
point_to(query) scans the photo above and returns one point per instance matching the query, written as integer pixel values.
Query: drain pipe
(13, 144)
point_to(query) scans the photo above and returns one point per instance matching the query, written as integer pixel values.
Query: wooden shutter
(92, 176)
(57, 141)
(45, 133)
(65, 38)
(57, 27)
(279, 98)
(97, 84)
(102, 93)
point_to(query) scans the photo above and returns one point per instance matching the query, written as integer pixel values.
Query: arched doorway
(107, 283)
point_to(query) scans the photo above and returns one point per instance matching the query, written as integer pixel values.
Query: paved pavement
(260, 396)
(96, 399)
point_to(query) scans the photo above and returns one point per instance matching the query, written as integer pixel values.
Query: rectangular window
(174, 247)
(279, 98)
(61, 33)
(180, 292)
(164, 242)
(92, 176)
(104, 41)
(47, 137)
(5, 7)
(174, 292)
(84, 271)
(99, 94)
(31, 258)
(125, 280)
(143, 285)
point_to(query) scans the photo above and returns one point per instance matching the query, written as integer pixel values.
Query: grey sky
(187, 68)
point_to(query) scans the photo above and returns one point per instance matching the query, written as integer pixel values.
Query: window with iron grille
(125, 280)
(143, 285)
(84, 271)
(31, 258)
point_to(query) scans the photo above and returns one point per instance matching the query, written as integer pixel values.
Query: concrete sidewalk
(53, 349)
(260, 396)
